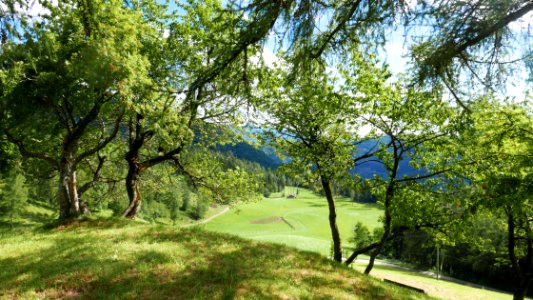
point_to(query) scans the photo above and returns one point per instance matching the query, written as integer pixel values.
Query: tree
(348, 24)
(186, 200)
(12, 13)
(460, 32)
(70, 73)
(407, 124)
(311, 125)
(205, 84)
(212, 175)
(457, 35)
(500, 141)
(13, 194)
(200, 208)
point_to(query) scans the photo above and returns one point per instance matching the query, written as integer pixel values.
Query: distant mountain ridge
(369, 167)
(267, 157)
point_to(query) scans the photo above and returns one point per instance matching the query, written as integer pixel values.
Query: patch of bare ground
(268, 220)
(73, 293)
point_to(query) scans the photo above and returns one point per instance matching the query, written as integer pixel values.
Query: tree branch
(96, 177)
(423, 176)
(30, 154)
(341, 24)
(103, 143)
(490, 30)
(170, 155)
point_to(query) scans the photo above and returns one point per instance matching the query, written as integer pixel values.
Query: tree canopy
(146, 95)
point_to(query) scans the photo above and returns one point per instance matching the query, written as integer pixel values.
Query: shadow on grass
(316, 203)
(162, 263)
(24, 219)
(10, 225)
(36, 217)
(360, 206)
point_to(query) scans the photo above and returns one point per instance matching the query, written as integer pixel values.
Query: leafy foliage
(13, 195)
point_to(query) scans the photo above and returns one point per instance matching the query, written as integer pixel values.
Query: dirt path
(225, 210)
(434, 275)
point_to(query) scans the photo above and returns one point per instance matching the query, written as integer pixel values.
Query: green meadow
(241, 254)
(437, 288)
(301, 222)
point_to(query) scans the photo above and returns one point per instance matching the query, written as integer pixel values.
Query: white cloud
(522, 24)
(269, 57)
(411, 4)
(396, 51)
(34, 8)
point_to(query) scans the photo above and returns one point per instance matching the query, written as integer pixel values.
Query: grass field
(124, 259)
(106, 258)
(301, 222)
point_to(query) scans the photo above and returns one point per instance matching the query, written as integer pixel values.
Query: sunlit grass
(124, 259)
(30, 215)
(301, 222)
(113, 258)
(308, 217)
(432, 286)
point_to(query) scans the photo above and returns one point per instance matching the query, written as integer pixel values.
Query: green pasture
(94, 258)
(301, 222)
(103, 257)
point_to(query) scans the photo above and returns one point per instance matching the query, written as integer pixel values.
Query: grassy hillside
(103, 258)
(301, 222)
(112, 259)
(31, 215)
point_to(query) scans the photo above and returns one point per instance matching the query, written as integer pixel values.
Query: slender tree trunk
(515, 266)
(337, 250)
(386, 228)
(522, 274)
(389, 194)
(63, 194)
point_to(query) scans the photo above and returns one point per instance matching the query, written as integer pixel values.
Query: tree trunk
(389, 194)
(337, 250)
(522, 274)
(132, 188)
(359, 251)
(520, 290)
(386, 228)
(69, 202)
